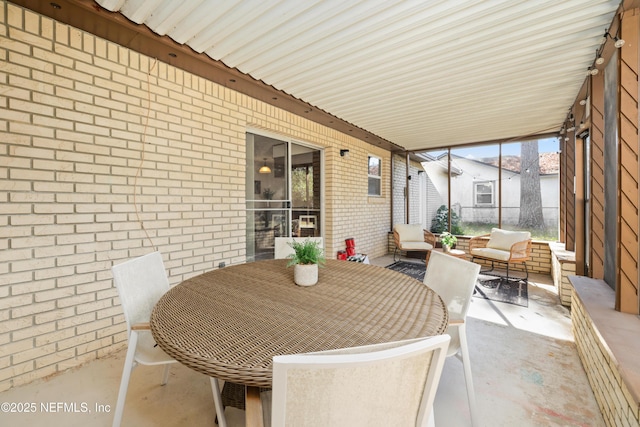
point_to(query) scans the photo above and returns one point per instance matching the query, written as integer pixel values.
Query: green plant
(268, 194)
(440, 221)
(306, 252)
(448, 239)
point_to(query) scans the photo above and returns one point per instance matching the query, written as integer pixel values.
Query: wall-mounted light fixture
(264, 168)
(344, 153)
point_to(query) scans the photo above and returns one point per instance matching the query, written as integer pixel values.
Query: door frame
(290, 142)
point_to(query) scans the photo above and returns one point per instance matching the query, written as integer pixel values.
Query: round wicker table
(230, 322)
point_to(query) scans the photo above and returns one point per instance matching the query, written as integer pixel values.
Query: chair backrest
(140, 283)
(454, 280)
(409, 232)
(391, 384)
(282, 248)
(504, 239)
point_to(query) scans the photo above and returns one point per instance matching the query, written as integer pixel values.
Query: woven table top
(230, 322)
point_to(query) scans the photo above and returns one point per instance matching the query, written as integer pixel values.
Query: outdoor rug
(512, 292)
(412, 269)
(502, 290)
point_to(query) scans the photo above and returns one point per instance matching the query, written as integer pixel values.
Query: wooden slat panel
(628, 133)
(628, 296)
(627, 292)
(597, 177)
(570, 197)
(563, 191)
(629, 184)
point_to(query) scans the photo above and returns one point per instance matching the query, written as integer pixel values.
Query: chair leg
(466, 363)
(394, 254)
(217, 401)
(165, 375)
(124, 381)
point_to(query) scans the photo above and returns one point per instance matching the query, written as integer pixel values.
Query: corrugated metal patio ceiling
(418, 73)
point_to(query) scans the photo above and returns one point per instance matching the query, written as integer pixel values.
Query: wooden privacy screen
(628, 189)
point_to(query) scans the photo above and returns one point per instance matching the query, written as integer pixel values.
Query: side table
(452, 252)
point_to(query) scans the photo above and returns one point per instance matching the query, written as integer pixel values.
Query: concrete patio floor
(524, 361)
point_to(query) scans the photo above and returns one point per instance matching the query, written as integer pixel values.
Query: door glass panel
(283, 194)
(267, 195)
(305, 191)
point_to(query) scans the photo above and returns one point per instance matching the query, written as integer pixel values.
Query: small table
(452, 252)
(230, 322)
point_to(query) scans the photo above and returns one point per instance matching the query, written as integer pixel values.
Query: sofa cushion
(415, 246)
(490, 253)
(504, 239)
(410, 232)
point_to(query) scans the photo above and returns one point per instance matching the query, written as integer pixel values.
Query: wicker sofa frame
(519, 253)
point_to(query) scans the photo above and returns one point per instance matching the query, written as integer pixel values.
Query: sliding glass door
(283, 193)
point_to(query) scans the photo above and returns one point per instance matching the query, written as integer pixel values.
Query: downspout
(449, 189)
(391, 175)
(406, 189)
(500, 184)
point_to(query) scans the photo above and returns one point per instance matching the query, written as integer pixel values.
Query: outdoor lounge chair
(412, 237)
(502, 246)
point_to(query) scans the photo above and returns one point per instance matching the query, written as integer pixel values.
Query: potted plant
(448, 241)
(306, 257)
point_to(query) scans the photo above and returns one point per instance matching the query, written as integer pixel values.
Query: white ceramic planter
(305, 274)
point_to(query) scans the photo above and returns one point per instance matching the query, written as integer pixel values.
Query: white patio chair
(140, 283)
(283, 250)
(454, 280)
(391, 384)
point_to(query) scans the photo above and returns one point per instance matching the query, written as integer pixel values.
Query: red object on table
(351, 251)
(351, 243)
(342, 255)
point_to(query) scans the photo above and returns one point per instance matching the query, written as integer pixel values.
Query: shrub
(440, 221)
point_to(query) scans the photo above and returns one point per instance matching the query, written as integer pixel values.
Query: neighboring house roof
(549, 162)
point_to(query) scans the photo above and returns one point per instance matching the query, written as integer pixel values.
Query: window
(375, 176)
(483, 193)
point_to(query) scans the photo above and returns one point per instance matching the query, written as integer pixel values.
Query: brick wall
(609, 359)
(399, 193)
(563, 266)
(97, 141)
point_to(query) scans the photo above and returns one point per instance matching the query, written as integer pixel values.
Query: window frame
(476, 193)
(370, 176)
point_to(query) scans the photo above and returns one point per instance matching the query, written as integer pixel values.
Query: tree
(531, 217)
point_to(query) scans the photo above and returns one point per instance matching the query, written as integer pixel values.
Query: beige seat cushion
(415, 246)
(491, 253)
